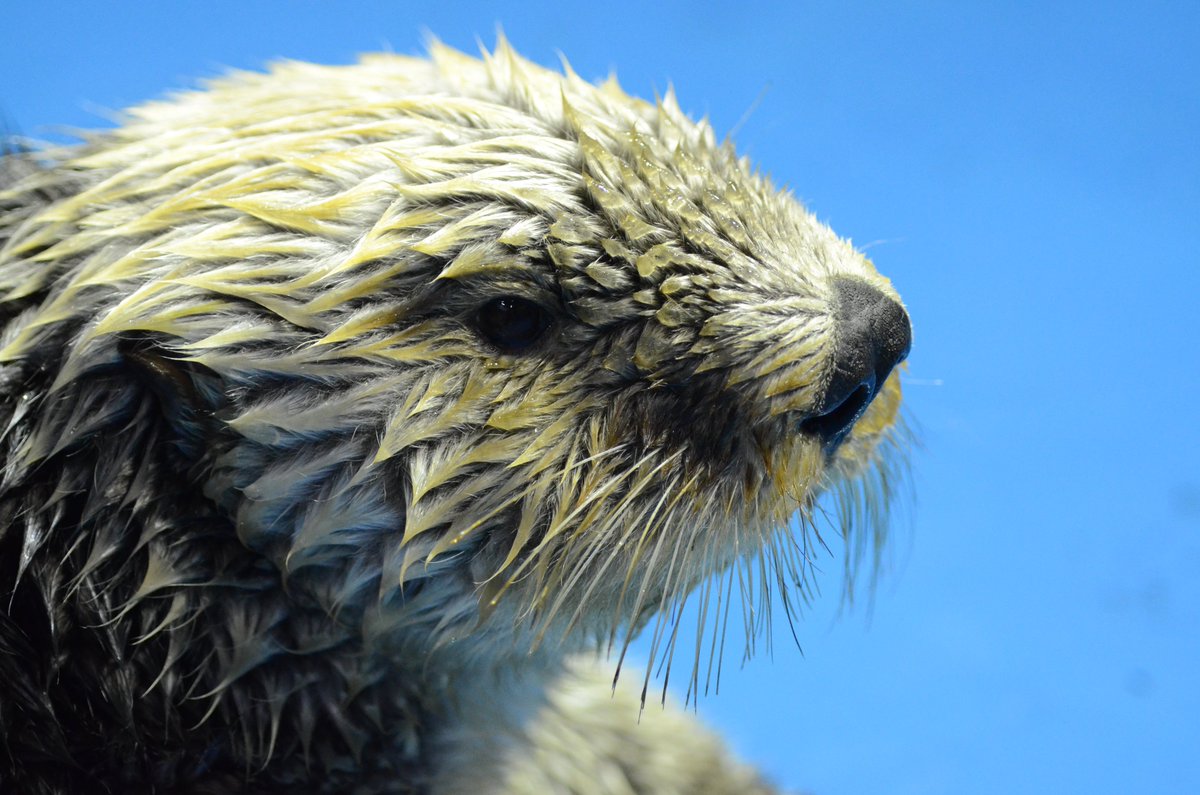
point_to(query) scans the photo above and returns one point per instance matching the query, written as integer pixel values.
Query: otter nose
(873, 336)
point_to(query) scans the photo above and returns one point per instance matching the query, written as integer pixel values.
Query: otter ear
(188, 394)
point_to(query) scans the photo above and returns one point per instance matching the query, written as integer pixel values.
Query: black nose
(873, 336)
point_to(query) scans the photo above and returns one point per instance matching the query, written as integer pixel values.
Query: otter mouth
(833, 425)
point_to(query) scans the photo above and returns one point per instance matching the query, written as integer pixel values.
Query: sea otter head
(459, 346)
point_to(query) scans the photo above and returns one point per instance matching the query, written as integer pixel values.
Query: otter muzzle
(873, 336)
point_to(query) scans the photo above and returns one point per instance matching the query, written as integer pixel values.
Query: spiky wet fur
(273, 513)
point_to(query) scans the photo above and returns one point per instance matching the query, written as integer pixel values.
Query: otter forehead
(441, 157)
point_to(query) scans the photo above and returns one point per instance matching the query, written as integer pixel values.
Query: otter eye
(512, 324)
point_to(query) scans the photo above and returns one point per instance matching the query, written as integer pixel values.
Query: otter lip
(835, 423)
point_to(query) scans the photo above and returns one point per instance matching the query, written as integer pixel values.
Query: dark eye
(512, 324)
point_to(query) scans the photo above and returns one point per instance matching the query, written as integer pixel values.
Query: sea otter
(347, 413)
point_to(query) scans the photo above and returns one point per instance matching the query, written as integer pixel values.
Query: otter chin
(350, 414)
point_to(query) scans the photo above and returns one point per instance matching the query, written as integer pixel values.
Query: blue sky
(1029, 177)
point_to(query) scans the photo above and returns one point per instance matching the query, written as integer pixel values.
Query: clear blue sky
(1029, 177)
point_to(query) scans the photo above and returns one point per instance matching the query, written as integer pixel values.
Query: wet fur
(269, 504)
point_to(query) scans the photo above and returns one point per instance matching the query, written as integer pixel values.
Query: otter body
(346, 412)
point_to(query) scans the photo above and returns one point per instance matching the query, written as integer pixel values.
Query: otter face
(454, 339)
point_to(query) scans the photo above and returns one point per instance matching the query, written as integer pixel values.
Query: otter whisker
(591, 496)
(643, 589)
(644, 526)
(671, 600)
(702, 619)
(717, 648)
(620, 520)
(537, 493)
